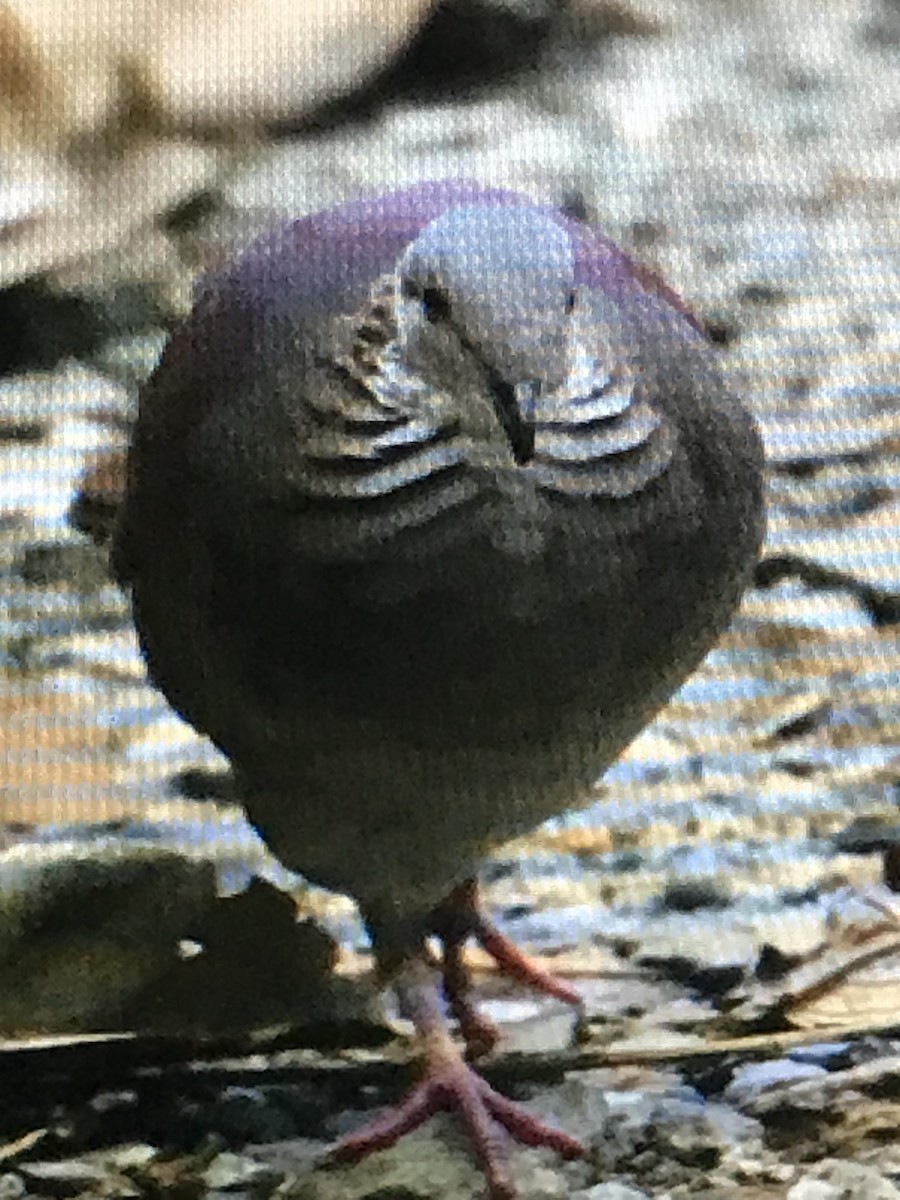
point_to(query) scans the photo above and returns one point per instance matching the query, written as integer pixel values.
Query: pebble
(831, 1055)
(748, 1081)
(232, 1172)
(611, 1190)
(75, 1177)
(76, 565)
(837, 1179)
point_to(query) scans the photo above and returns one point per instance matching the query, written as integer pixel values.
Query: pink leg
(478, 1031)
(460, 916)
(448, 1082)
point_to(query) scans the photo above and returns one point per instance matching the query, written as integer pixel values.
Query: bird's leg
(479, 1032)
(448, 1082)
(460, 916)
(452, 922)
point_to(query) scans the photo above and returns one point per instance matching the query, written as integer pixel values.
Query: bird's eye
(571, 301)
(436, 303)
(434, 300)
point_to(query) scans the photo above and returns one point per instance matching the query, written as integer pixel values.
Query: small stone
(832, 1055)
(690, 895)
(229, 1171)
(749, 1081)
(52, 563)
(12, 430)
(838, 1179)
(812, 1189)
(611, 1190)
(544, 1183)
(755, 1170)
(76, 1177)
(131, 1158)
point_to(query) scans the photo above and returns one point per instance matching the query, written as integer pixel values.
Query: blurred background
(747, 149)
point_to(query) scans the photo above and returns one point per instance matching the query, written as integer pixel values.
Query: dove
(433, 500)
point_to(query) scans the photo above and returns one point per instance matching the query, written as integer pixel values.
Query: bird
(433, 500)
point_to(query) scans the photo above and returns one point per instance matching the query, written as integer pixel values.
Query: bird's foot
(513, 962)
(479, 1032)
(460, 917)
(449, 1083)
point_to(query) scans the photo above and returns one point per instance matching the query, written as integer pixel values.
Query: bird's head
(490, 330)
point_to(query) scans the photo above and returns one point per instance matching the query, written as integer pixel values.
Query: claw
(449, 1083)
(460, 917)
